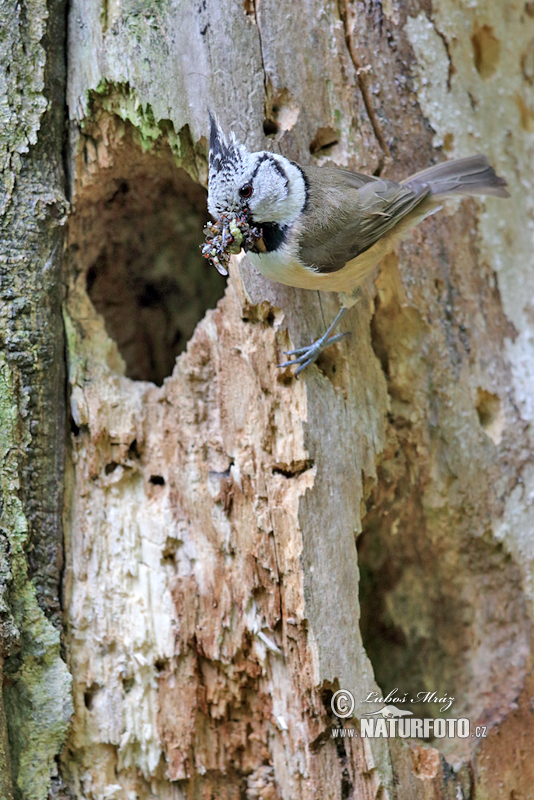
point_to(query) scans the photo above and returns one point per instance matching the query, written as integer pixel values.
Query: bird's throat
(274, 235)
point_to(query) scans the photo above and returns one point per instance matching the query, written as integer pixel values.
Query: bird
(325, 227)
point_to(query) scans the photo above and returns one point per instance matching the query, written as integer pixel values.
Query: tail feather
(471, 175)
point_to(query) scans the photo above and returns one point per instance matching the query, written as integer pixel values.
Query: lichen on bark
(36, 683)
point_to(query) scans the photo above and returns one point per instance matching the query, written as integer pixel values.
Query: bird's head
(266, 185)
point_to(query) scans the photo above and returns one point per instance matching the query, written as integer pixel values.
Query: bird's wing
(382, 207)
(348, 213)
(332, 176)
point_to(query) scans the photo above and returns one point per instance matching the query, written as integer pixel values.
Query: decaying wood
(240, 544)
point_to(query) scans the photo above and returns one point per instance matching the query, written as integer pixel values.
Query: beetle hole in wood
(486, 51)
(133, 451)
(293, 470)
(270, 318)
(490, 415)
(157, 480)
(285, 377)
(324, 139)
(270, 127)
(262, 312)
(89, 694)
(136, 233)
(281, 111)
(330, 363)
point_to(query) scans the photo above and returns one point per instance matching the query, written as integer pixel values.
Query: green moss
(37, 694)
(121, 100)
(38, 703)
(77, 361)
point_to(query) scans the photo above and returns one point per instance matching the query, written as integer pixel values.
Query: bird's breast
(284, 266)
(281, 265)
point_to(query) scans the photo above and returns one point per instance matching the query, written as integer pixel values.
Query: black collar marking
(273, 235)
(306, 185)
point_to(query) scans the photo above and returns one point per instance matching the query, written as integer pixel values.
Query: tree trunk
(239, 545)
(36, 706)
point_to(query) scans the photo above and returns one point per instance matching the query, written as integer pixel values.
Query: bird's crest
(227, 164)
(224, 152)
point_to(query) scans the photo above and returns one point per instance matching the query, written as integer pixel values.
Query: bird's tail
(471, 175)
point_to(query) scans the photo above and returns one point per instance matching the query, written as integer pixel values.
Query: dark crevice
(133, 451)
(251, 10)
(366, 96)
(324, 139)
(270, 127)
(293, 470)
(89, 695)
(443, 38)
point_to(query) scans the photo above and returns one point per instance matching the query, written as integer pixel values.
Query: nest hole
(136, 234)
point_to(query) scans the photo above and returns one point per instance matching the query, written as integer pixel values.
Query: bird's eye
(246, 190)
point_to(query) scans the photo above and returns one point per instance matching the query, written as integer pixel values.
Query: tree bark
(36, 705)
(240, 544)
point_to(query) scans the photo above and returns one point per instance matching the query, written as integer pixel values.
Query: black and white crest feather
(224, 153)
(228, 160)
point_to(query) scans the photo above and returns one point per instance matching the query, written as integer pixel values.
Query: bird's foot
(304, 356)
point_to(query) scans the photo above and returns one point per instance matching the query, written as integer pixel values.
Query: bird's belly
(282, 266)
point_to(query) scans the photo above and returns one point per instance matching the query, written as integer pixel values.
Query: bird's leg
(304, 356)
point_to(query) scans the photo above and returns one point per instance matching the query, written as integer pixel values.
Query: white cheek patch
(270, 190)
(280, 194)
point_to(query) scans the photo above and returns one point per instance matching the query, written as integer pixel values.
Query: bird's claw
(307, 355)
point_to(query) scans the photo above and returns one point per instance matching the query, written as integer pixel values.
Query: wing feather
(348, 213)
